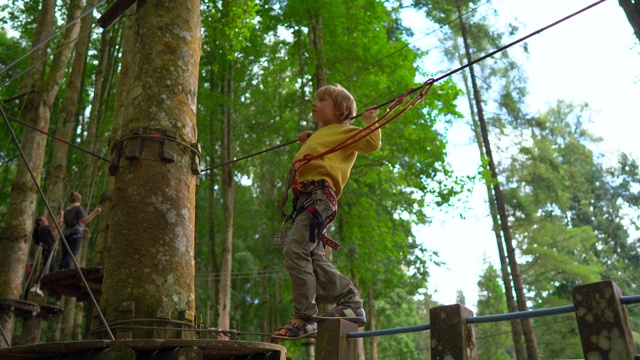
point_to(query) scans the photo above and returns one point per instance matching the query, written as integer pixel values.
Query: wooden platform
(21, 308)
(68, 282)
(48, 310)
(147, 349)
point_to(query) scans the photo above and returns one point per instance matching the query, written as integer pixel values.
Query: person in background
(74, 218)
(44, 237)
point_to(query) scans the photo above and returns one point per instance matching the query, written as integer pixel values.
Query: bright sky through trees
(591, 58)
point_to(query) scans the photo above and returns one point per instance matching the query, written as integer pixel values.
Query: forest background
(572, 197)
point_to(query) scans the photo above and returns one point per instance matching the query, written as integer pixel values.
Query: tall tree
(156, 175)
(527, 327)
(229, 25)
(501, 74)
(500, 84)
(67, 120)
(16, 226)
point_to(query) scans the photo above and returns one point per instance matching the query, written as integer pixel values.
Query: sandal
(353, 314)
(298, 329)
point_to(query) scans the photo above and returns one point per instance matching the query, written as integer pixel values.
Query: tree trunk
(68, 118)
(211, 204)
(632, 11)
(149, 268)
(32, 326)
(224, 292)
(106, 65)
(529, 332)
(372, 325)
(57, 177)
(516, 325)
(316, 31)
(302, 106)
(122, 96)
(16, 227)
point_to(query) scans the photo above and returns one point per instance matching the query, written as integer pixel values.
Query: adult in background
(74, 218)
(44, 237)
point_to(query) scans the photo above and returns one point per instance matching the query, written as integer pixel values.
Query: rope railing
(483, 319)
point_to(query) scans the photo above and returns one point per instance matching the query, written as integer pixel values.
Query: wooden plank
(68, 282)
(127, 349)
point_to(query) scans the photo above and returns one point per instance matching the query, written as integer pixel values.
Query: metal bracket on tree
(134, 146)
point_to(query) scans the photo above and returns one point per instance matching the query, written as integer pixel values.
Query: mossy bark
(150, 257)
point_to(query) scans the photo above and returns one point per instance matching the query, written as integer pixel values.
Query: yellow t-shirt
(336, 167)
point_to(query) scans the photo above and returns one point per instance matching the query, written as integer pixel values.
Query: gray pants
(307, 265)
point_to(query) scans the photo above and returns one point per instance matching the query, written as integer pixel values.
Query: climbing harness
(318, 224)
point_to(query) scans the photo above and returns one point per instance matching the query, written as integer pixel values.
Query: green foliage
(569, 213)
(269, 48)
(10, 49)
(494, 340)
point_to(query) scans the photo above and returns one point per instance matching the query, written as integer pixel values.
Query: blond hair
(342, 99)
(75, 197)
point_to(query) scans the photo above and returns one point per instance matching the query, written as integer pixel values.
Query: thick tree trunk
(224, 292)
(632, 11)
(149, 267)
(516, 325)
(16, 227)
(529, 332)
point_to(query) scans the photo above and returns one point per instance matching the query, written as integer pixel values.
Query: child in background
(74, 218)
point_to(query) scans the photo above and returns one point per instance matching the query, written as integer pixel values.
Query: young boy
(322, 181)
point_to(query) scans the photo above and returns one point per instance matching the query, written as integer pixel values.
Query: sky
(591, 58)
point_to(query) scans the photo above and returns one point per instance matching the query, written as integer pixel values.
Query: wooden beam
(114, 12)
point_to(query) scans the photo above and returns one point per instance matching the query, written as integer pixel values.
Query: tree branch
(633, 14)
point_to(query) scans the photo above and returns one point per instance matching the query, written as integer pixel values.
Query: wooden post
(605, 331)
(332, 342)
(451, 336)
